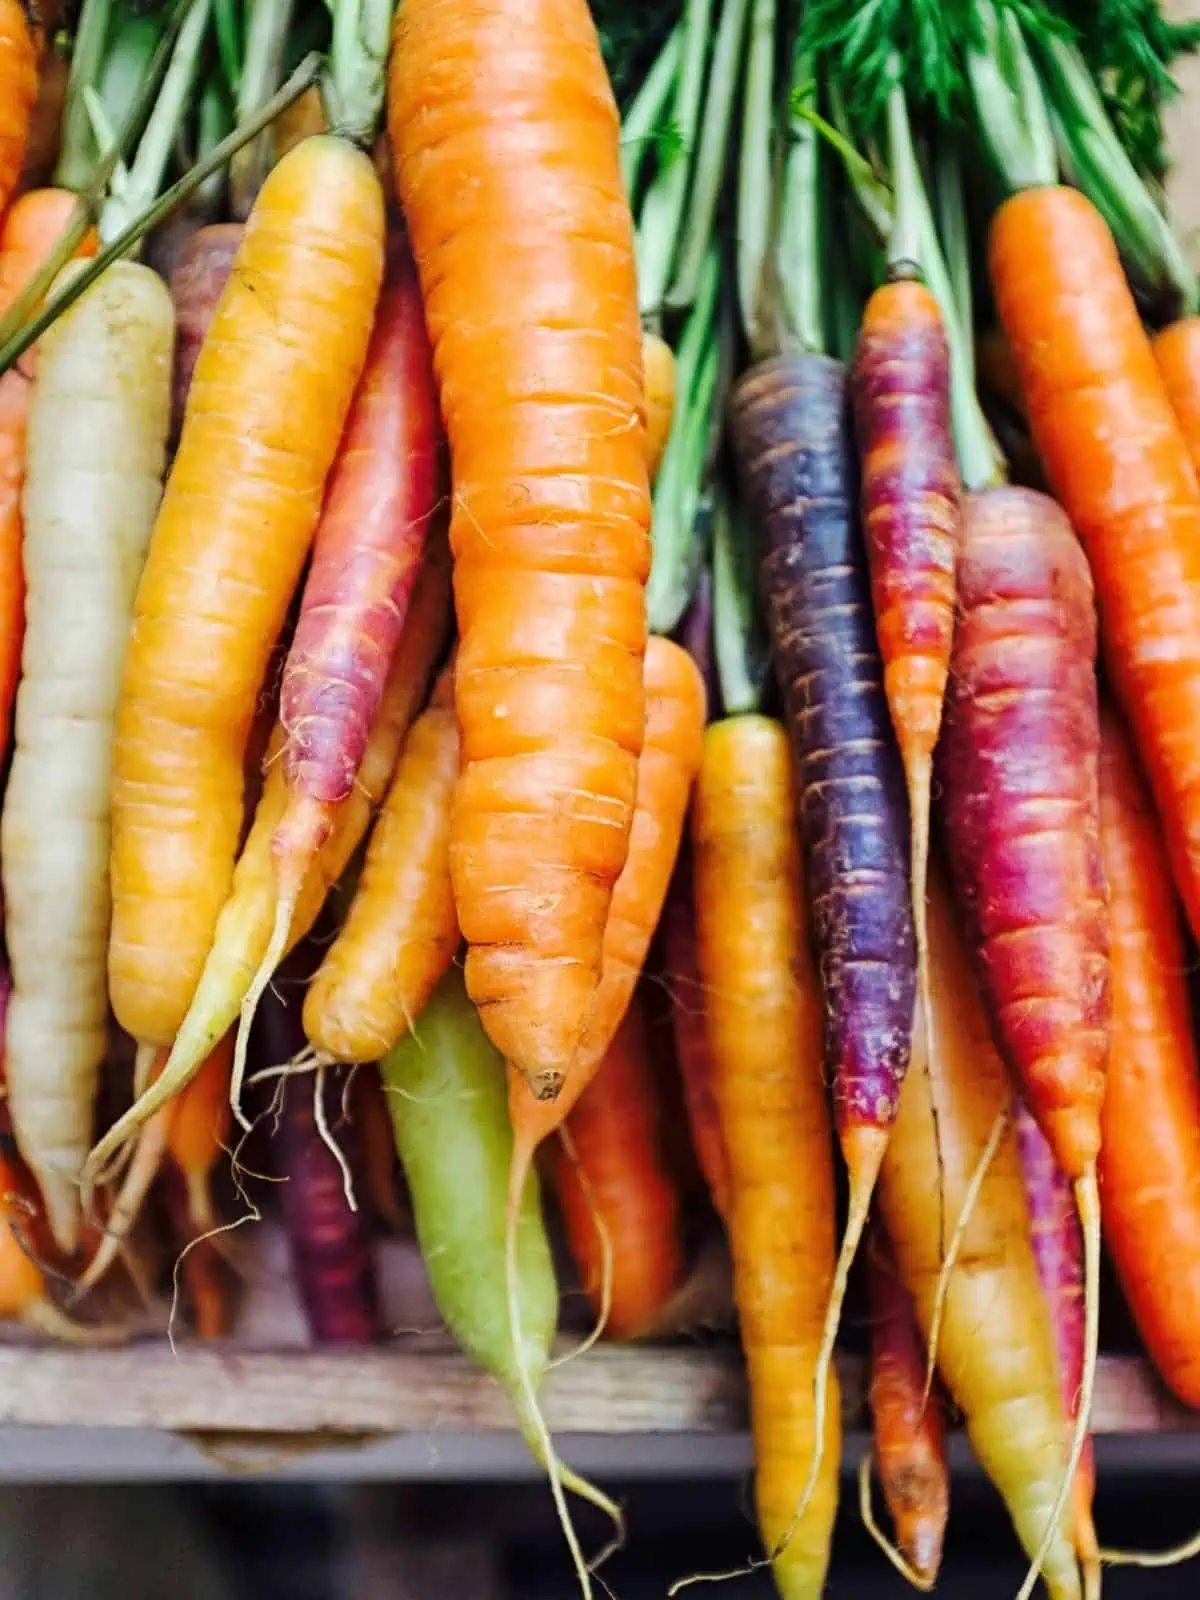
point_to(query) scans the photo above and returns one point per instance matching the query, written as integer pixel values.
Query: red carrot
(1018, 770)
(196, 285)
(367, 553)
(1058, 1251)
(794, 453)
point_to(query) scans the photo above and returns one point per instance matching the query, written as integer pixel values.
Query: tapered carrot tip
(1073, 1133)
(921, 1540)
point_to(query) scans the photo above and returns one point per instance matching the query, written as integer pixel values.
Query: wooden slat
(608, 1391)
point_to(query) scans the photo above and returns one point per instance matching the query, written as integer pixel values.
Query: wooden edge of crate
(375, 1392)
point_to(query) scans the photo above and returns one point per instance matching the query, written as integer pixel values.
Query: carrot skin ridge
(813, 577)
(1117, 460)
(545, 413)
(1150, 1151)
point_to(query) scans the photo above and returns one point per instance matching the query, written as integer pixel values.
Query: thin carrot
(614, 1178)
(544, 408)
(401, 932)
(658, 365)
(1058, 1251)
(268, 399)
(764, 1017)
(198, 1129)
(1018, 771)
(197, 284)
(996, 1351)
(369, 1109)
(1177, 352)
(244, 926)
(1150, 1150)
(909, 1433)
(18, 92)
(1116, 458)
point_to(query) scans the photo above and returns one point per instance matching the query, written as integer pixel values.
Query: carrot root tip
(921, 1573)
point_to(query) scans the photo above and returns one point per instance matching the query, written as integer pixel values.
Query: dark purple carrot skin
(694, 634)
(791, 436)
(330, 1245)
(1018, 766)
(197, 283)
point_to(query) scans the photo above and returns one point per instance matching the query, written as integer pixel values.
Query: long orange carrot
(270, 393)
(544, 409)
(613, 1184)
(1150, 1150)
(764, 1016)
(1177, 352)
(18, 92)
(1116, 458)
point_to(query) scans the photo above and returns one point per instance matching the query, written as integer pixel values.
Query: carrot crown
(355, 82)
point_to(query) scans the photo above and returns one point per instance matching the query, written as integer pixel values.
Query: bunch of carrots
(421, 430)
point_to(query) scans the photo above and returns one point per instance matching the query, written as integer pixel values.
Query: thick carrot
(97, 439)
(445, 1088)
(996, 1351)
(270, 393)
(1150, 1151)
(18, 92)
(910, 1441)
(544, 408)
(612, 1184)
(24, 1296)
(197, 284)
(1116, 458)
(1018, 771)
(401, 932)
(688, 1005)
(329, 1241)
(791, 437)
(244, 926)
(764, 1015)
(1058, 1251)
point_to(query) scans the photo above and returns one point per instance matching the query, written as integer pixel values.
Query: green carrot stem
(228, 28)
(689, 449)
(128, 53)
(149, 166)
(1094, 157)
(903, 244)
(739, 644)
(77, 150)
(755, 195)
(14, 347)
(1010, 112)
(214, 122)
(711, 154)
(662, 209)
(796, 265)
(262, 67)
(951, 221)
(353, 87)
(646, 115)
(90, 198)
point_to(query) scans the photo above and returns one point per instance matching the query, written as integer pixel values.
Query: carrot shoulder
(544, 410)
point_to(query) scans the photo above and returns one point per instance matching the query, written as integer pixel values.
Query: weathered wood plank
(610, 1391)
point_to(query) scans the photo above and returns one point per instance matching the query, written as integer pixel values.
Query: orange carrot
(764, 1015)
(658, 363)
(544, 408)
(910, 1443)
(24, 1296)
(1150, 1150)
(270, 393)
(1116, 458)
(198, 1127)
(1177, 352)
(612, 1184)
(18, 92)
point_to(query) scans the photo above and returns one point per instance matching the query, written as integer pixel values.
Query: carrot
(270, 393)
(41, 146)
(369, 1108)
(688, 1006)
(97, 437)
(790, 436)
(445, 1088)
(910, 1442)
(612, 1184)
(658, 364)
(764, 1014)
(1177, 353)
(1017, 765)
(317, 1153)
(18, 92)
(1058, 1251)
(1117, 460)
(401, 932)
(1150, 1126)
(544, 409)
(244, 926)
(996, 1351)
(198, 1127)
(197, 284)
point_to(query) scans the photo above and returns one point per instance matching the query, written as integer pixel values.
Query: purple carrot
(1058, 1250)
(695, 634)
(792, 441)
(330, 1244)
(197, 282)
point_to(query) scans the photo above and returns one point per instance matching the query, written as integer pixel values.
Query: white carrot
(95, 457)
